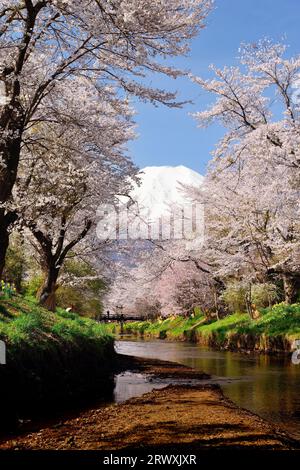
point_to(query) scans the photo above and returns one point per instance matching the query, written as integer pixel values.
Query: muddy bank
(280, 344)
(235, 342)
(71, 384)
(158, 368)
(188, 417)
(40, 383)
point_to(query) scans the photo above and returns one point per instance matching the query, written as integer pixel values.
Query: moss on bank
(274, 331)
(54, 360)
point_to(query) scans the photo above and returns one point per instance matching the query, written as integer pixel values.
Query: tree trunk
(51, 262)
(216, 304)
(218, 287)
(6, 219)
(290, 284)
(47, 296)
(4, 241)
(10, 155)
(248, 301)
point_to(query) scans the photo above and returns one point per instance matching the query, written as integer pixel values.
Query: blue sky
(170, 136)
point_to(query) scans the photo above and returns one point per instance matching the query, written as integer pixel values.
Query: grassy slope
(280, 321)
(54, 360)
(25, 324)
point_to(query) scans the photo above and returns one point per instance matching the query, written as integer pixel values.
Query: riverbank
(182, 417)
(53, 361)
(272, 333)
(62, 364)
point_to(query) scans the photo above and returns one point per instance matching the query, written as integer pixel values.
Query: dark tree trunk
(10, 154)
(12, 123)
(6, 219)
(4, 241)
(248, 301)
(218, 288)
(290, 286)
(47, 296)
(216, 302)
(51, 262)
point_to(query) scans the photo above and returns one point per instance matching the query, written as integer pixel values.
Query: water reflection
(268, 386)
(131, 384)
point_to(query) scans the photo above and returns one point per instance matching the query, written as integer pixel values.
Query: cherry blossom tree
(251, 192)
(74, 165)
(47, 45)
(156, 272)
(252, 188)
(192, 293)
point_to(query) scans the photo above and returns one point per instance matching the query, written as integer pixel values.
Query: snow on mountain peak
(160, 188)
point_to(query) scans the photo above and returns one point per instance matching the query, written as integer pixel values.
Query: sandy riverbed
(182, 416)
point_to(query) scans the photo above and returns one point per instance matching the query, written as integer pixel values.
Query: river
(267, 385)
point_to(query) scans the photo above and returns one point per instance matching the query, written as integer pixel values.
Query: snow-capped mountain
(161, 188)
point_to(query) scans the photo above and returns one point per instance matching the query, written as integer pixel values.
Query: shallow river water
(268, 386)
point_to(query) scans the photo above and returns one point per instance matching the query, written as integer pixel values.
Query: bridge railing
(119, 318)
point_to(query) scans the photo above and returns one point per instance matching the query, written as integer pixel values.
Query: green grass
(53, 360)
(23, 323)
(280, 320)
(172, 326)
